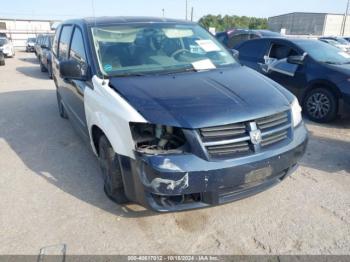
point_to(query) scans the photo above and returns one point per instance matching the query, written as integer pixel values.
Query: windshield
(31, 40)
(342, 41)
(157, 48)
(323, 52)
(3, 41)
(270, 33)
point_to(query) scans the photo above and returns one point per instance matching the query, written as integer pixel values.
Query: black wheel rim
(318, 105)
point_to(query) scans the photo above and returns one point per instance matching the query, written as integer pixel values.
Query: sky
(66, 9)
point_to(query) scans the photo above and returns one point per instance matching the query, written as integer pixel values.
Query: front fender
(107, 110)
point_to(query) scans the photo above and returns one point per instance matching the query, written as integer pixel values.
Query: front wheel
(321, 105)
(110, 168)
(42, 67)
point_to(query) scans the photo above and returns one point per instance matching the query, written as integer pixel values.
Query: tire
(61, 110)
(2, 62)
(110, 168)
(321, 105)
(42, 67)
(49, 70)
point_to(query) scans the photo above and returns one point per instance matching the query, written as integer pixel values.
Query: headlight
(158, 139)
(296, 112)
(6, 47)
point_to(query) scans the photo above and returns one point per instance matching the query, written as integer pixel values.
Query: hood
(338, 73)
(202, 99)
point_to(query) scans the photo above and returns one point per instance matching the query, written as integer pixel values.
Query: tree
(228, 22)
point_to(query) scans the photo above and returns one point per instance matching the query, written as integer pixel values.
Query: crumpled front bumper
(181, 182)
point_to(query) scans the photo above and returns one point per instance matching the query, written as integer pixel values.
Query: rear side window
(236, 39)
(77, 51)
(55, 42)
(253, 49)
(64, 42)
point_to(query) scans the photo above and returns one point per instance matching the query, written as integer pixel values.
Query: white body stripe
(106, 109)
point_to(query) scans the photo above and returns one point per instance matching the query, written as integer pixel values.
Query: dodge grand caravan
(174, 120)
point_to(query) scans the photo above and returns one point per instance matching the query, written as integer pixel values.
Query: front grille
(233, 140)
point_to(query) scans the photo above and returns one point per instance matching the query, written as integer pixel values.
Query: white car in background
(340, 43)
(6, 47)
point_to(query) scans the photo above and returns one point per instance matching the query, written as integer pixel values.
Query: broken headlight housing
(158, 139)
(296, 112)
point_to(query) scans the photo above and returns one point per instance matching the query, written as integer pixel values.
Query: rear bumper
(182, 182)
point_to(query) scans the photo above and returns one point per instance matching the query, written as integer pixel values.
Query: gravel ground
(51, 191)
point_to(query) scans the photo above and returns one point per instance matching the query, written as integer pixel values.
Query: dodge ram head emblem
(255, 137)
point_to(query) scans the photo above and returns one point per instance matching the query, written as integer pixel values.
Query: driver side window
(280, 51)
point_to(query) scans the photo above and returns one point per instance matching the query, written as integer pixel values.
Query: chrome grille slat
(234, 140)
(272, 121)
(229, 149)
(274, 138)
(229, 145)
(222, 133)
(221, 128)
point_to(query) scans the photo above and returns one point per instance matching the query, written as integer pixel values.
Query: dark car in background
(175, 121)
(316, 72)
(45, 57)
(233, 37)
(30, 44)
(42, 43)
(38, 43)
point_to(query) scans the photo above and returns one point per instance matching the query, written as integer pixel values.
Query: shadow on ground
(32, 60)
(49, 147)
(32, 71)
(321, 154)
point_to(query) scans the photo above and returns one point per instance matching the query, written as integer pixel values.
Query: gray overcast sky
(63, 9)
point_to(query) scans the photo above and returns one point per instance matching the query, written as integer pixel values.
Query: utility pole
(186, 9)
(345, 18)
(192, 14)
(163, 11)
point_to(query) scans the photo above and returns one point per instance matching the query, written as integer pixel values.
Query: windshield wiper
(128, 74)
(182, 70)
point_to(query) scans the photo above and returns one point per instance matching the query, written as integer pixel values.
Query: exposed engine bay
(158, 139)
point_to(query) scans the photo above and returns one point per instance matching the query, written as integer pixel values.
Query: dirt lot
(51, 191)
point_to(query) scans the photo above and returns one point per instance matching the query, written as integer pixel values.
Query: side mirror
(43, 46)
(71, 69)
(235, 54)
(296, 59)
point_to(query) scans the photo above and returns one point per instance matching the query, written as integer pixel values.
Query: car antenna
(95, 22)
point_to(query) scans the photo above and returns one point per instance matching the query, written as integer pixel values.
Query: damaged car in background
(175, 121)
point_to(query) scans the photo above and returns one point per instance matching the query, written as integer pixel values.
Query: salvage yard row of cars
(175, 120)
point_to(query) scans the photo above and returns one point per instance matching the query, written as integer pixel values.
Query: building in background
(317, 24)
(19, 30)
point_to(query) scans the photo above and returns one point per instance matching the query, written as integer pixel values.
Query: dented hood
(202, 99)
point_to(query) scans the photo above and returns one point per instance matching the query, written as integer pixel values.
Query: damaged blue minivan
(175, 121)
